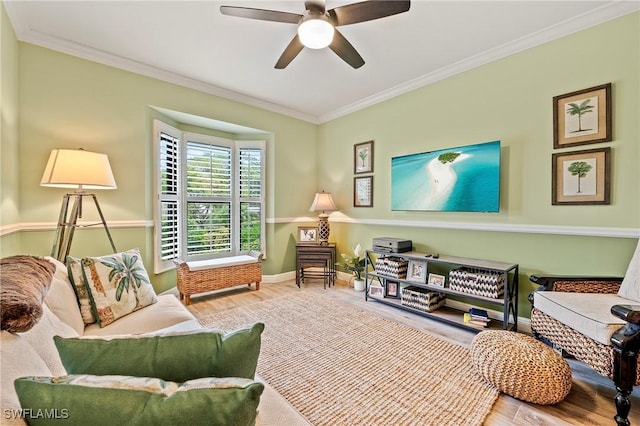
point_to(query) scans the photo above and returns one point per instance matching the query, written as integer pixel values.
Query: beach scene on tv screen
(464, 179)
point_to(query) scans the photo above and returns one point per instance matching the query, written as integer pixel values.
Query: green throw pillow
(120, 400)
(173, 357)
(76, 276)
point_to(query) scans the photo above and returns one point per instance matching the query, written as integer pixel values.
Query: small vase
(358, 285)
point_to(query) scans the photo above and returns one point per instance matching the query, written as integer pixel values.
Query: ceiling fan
(317, 26)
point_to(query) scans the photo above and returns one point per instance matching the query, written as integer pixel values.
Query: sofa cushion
(40, 337)
(25, 281)
(118, 285)
(109, 400)
(630, 287)
(174, 357)
(200, 265)
(587, 313)
(166, 312)
(76, 277)
(18, 359)
(61, 298)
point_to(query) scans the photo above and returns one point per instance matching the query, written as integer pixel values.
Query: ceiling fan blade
(315, 6)
(367, 11)
(290, 53)
(261, 14)
(345, 50)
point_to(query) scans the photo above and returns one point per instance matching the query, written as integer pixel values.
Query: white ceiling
(191, 43)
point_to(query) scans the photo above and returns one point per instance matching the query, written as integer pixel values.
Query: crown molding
(589, 19)
(26, 34)
(586, 20)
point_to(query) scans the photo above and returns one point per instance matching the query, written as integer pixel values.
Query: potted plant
(355, 264)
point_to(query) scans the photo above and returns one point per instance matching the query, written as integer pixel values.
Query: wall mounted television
(462, 179)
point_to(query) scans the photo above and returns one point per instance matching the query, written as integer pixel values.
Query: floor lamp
(323, 201)
(79, 170)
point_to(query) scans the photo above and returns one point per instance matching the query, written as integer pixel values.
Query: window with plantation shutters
(167, 233)
(208, 199)
(250, 172)
(210, 196)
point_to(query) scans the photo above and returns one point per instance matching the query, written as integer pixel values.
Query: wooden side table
(316, 256)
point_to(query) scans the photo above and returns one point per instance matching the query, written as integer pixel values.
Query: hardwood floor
(590, 401)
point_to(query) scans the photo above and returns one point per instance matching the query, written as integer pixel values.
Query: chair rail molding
(51, 226)
(585, 231)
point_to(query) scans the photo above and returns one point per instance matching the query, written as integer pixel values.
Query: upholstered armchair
(597, 321)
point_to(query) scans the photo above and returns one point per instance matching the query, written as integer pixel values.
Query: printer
(392, 245)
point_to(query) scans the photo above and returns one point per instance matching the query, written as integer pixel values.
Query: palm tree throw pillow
(118, 284)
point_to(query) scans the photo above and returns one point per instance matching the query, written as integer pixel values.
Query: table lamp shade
(70, 168)
(323, 202)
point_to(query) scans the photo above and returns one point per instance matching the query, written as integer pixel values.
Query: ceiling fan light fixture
(316, 32)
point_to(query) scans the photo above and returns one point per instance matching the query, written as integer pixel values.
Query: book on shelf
(479, 314)
(468, 319)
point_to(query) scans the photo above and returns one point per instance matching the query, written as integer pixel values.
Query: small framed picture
(393, 289)
(308, 234)
(581, 177)
(363, 157)
(417, 271)
(436, 280)
(376, 290)
(363, 191)
(582, 117)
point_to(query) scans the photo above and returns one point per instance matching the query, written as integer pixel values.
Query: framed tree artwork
(582, 117)
(363, 157)
(581, 177)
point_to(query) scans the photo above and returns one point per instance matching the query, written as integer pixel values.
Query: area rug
(339, 365)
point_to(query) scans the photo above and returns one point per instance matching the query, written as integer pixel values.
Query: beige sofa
(33, 353)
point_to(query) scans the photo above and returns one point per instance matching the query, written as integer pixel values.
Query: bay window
(210, 196)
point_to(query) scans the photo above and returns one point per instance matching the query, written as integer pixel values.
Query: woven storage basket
(422, 299)
(521, 366)
(394, 267)
(200, 281)
(480, 282)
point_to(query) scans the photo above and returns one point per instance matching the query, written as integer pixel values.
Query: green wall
(508, 100)
(61, 101)
(65, 102)
(9, 199)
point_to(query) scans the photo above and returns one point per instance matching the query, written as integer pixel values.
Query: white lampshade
(316, 32)
(323, 201)
(79, 169)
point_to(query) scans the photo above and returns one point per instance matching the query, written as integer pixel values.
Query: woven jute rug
(339, 365)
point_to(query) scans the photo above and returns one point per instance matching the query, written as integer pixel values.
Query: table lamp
(323, 202)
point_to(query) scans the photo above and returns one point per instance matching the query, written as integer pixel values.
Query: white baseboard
(278, 278)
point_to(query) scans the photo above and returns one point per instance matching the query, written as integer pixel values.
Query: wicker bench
(202, 276)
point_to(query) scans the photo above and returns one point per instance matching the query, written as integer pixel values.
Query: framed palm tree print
(363, 157)
(582, 117)
(581, 177)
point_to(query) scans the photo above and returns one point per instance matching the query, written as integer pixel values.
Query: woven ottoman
(521, 366)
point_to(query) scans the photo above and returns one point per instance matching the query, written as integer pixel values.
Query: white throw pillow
(61, 298)
(630, 287)
(118, 284)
